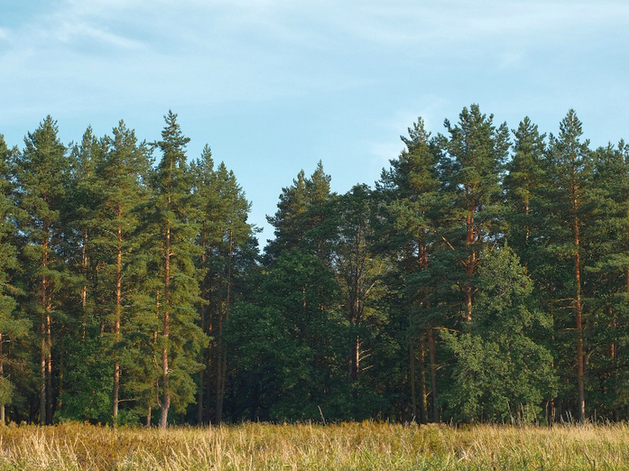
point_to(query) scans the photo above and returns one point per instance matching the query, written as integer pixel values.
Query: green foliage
(501, 372)
(87, 379)
(301, 219)
(473, 283)
(171, 221)
(290, 341)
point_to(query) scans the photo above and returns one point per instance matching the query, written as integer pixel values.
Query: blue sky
(274, 86)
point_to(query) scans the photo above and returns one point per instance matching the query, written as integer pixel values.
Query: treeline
(485, 277)
(118, 275)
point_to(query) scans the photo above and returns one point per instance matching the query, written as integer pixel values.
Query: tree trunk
(423, 397)
(42, 384)
(355, 318)
(222, 355)
(526, 213)
(579, 321)
(432, 352)
(470, 263)
(49, 370)
(118, 314)
(200, 399)
(218, 413)
(468, 302)
(84, 263)
(204, 352)
(44, 346)
(411, 352)
(2, 406)
(165, 405)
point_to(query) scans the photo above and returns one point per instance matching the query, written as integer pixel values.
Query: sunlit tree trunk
(118, 317)
(165, 402)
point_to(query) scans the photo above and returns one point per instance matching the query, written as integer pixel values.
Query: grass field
(351, 446)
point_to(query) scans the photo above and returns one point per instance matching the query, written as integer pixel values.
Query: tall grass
(351, 446)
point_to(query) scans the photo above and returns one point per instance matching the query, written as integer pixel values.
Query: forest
(483, 278)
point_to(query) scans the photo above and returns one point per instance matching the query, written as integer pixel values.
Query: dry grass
(352, 446)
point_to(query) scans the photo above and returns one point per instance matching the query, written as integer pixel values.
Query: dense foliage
(485, 277)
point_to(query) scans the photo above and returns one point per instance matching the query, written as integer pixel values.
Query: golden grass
(348, 446)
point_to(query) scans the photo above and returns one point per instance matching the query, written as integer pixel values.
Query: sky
(275, 86)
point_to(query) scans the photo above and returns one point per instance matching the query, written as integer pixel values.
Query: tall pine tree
(571, 170)
(123, 170)
(41, 188)
(11, 326)
(174, 228)
(471, 168)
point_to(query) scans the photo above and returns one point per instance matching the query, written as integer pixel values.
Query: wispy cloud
(414, 23)
(77, 32)
(215, 51)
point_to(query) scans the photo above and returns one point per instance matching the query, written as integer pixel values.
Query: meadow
(346, 446)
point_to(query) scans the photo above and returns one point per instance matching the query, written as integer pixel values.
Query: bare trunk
(84, 289)
(218, 415)
(48, 370)
(470, 263)
(526, 227)
(165, 403)
(223, 316)
(116, 391)
(42, 384)
(200, 399)
(411, 352)
(355, 318)
(204, 296)
(468, 303)
(579, 321)
(613, 347)
(423, 397)
(118, 313)
(432, 351)
(2, 411)
(44, 344)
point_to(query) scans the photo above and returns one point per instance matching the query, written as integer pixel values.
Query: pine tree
(81, 212)
(410, 189)
(173, 224)
(301, 219)
(606, 279)
(11, 326)
(82, 379)
(471, 169)
(522, 186)
(123, 171)
(40, 174)
(224, 238)
(571, 167)
(359, 271)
